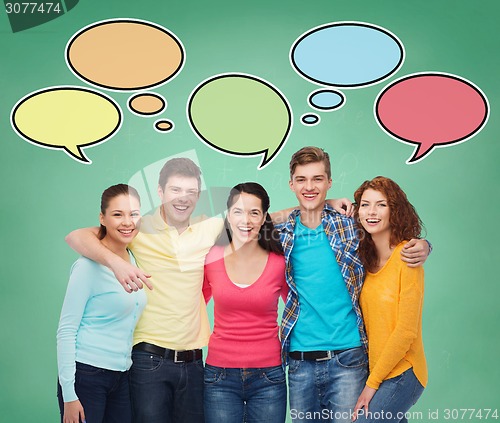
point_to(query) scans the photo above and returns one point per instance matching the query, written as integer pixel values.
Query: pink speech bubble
(431, 110)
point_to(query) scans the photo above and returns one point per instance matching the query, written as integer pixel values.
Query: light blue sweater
(97, 322)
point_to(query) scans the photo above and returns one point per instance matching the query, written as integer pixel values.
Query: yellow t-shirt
(175, 316)
(391, 302)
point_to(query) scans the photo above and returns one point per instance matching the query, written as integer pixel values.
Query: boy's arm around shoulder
(85, 242)
(415, 252)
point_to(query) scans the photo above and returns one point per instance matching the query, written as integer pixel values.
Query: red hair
(403, 218)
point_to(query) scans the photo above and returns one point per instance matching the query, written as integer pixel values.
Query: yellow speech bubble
(125, 54)
(67, 118)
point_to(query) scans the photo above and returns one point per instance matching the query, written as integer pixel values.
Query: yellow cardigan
(391, 301)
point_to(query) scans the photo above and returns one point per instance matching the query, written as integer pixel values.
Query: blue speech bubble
(347, 54)
(326, 99)
(310, 119)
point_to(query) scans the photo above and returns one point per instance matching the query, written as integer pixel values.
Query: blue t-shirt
(327, 320)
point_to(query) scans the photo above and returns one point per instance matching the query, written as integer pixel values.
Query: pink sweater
(245, 331)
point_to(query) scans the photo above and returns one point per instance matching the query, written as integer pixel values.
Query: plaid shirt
(341, 233)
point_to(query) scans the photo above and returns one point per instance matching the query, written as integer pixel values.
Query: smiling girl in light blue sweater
(98, 317)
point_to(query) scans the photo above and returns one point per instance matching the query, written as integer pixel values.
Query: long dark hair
(110, 193)
(403, 218)
(268, 235)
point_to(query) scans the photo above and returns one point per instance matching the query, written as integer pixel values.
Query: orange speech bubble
(125, 54)
(164, 125)
(146, 104)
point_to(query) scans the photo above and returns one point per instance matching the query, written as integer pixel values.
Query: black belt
(185, 356)
(314, 355)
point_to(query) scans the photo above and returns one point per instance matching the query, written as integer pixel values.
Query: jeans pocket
(274, 375)
(419, 389)
(354, 357)
(199, 365)
(87, 369)
(396, 380)
(293, 365)
(145, 361)
(212, 374)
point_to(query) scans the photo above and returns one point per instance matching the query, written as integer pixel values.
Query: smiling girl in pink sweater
(245, 275)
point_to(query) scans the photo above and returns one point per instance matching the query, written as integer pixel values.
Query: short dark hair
(308, 155)
(268, 235)
(179, 166)
(110, 193)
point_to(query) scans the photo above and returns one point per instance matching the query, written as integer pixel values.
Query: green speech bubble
(67, 118)
(241, 115)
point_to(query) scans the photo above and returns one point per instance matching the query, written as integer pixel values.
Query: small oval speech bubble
(431, 109)
(347, 54)
(125, 54)
(67, 118)
(146, 104)
(240, 115)
(326, 99)
(310, 119)
(164, 125)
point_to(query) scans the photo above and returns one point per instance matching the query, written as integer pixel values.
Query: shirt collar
(290, 223)
(160, 225)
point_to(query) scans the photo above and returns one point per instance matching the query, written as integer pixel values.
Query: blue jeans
(327, 390)
(245, 395)
(393, 399)
(165, 392)
(104, 394)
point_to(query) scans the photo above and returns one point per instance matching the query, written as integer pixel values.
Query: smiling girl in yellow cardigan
(391, 302)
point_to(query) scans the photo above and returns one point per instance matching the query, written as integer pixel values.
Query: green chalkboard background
(45, 193)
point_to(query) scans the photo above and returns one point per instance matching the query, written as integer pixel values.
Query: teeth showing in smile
(181, 208)
(310, 195)
(373, 220)
(125, 231)
(244, 228)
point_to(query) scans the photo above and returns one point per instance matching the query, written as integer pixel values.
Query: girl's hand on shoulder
(73, 412)
(364, 399)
